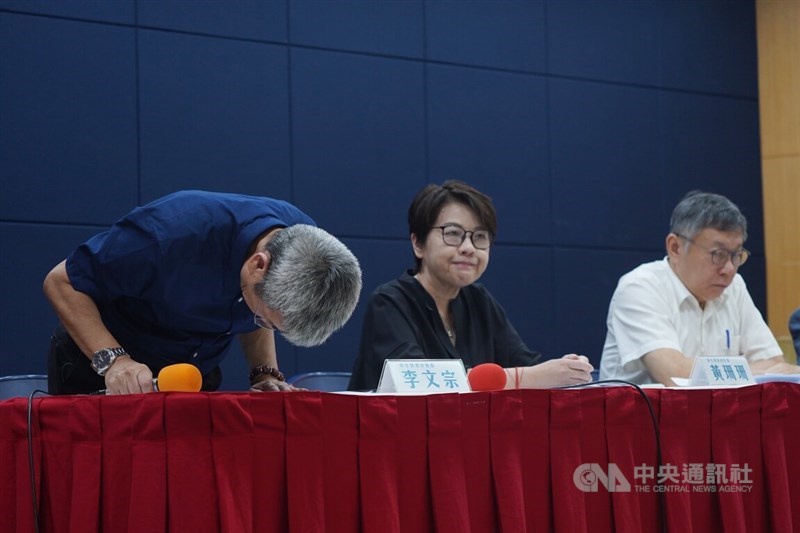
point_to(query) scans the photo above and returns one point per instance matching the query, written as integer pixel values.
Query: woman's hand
(572, 369)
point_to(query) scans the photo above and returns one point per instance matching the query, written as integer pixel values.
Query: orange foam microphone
(486, 377)
(180, 377)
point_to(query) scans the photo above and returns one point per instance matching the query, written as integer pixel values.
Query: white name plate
(719, 371)
(423, 376)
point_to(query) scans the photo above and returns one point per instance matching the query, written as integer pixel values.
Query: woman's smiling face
(446, 266)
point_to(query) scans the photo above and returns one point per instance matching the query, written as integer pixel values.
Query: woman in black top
(438, 311)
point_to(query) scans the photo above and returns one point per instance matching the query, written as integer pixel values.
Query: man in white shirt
(692, 303)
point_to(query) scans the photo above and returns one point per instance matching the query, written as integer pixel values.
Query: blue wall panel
(709, 45)
(214, 115)
(754, 273)
(358, 134)
(709, 144)
(703, 45)
(522, 280)
(118, 11)
(27, 253)
(381, 261)
(490, 130)
(389, 27)
(601, 40)
(246, 19)
(605, 165)
(585, 281)
(506, 35)
(67, 120)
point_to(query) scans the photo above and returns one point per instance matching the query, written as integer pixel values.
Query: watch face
(102, 359)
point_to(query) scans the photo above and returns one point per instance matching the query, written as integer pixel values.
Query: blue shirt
(166, 277)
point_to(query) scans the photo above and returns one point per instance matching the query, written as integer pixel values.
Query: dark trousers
(69, 371)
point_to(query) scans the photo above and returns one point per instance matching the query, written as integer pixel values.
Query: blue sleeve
(794, 328)
(188, 238)
(118, 262)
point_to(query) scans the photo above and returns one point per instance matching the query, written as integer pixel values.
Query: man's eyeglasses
(721, 257)
(263, 322)
(455, 235)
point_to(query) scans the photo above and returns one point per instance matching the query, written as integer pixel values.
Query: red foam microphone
(180, 377)
(486, 377)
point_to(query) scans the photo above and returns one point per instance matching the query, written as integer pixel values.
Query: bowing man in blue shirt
(176, 280)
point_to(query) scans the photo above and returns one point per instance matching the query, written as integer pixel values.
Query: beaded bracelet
(260, 370)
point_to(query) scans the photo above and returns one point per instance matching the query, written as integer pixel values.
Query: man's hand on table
(271, 384)
(126, 376)
(780, 368)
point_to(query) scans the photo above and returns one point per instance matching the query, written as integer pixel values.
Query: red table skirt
(508, 461)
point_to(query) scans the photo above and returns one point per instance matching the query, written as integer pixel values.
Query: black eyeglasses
(721, 257)
(455, 235)
(262, 322)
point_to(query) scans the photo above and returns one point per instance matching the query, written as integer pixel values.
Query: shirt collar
(684, 295)
(409, 280)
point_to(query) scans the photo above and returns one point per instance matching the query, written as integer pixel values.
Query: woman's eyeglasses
(455, 235)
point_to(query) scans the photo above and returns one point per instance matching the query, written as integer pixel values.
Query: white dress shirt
(652, 309)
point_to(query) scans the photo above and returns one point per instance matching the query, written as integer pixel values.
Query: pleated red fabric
(686, 440)
(270, 509)
(232, 429)
(567, 423)
(737, 467)
(508, 451)
(192, 499)
(148, 502)
(340, 463)
(134, 480)
(414, 480)
(16, 500)
(446, 456)
(536, 477)
(780, 435)
(304, 466)
(594, 449)
(632, 447)
(378, 439)
(504, 461)
(475, 445)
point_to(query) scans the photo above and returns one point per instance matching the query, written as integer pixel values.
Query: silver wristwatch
(103, 359)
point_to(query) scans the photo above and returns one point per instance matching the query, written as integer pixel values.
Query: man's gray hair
(701, 210)
(313, 281)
